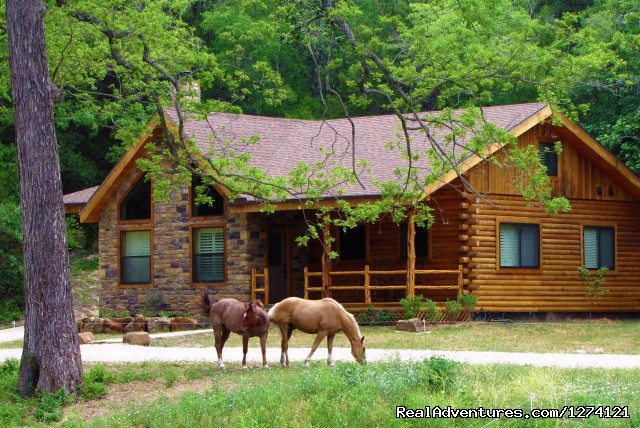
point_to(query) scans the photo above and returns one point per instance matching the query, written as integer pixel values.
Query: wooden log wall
(556, 285)
(580, 175)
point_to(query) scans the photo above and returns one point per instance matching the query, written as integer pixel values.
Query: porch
(359, 289)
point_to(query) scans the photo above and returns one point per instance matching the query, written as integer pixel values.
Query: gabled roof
(74, 202)
(284, 142)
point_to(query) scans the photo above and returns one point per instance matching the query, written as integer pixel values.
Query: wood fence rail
(367, 287)
(265, 285)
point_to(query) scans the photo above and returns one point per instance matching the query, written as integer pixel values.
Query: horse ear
(362, 340)
(246, 305)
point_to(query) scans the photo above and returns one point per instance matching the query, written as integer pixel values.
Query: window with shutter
(519, 245)
(548, 158)
(598, 247)
(135, 257)
(208, 254)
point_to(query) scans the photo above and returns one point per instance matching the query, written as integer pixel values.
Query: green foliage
(93, 386)
(431, 311)
(412, 305)
(75, 235)
(108, 313)
(593, 282)
(468, 301)
(373, 317)
(11, 268)
(453, 308)
(49, 408)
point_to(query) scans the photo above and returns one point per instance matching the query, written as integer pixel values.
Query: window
(208, 254)
(519, 245)
(137, 204)
(420, 242)
(353, 243)
(549, 158)
(204, 209)
(599, 247)
(135, 257)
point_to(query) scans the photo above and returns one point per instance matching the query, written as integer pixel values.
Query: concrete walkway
(110, 351)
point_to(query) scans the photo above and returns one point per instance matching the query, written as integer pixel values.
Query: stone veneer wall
(171, 239)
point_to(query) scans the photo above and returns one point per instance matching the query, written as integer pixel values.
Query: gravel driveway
(118, 352)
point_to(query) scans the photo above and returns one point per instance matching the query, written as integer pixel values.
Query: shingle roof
(284, 142)
(79, 197)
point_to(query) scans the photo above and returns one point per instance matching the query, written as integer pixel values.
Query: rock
(413, 325)
(140, 338)
(115, 325)
(158, 325)
(137, 324)
(183, 323)
(90, 325)
(86, 337)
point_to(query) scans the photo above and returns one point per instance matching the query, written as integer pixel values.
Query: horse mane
(349, 314)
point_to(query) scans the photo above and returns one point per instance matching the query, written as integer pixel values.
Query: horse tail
(205, 303)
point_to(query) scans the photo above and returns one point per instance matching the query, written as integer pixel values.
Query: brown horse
(228, 315)
(324, 317)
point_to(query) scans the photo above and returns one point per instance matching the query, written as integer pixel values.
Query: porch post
(411, 255)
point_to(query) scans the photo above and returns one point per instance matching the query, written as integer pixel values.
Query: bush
(431, 310)
(49, 408)
(468, 301)
(453, 308)
(93, 386)
(372, 316)
(411, 305)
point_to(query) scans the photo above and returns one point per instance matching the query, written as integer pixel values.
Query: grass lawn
(614, 338)
(367, 396)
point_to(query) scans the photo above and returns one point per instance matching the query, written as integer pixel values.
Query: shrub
(453, 308)
(431, 310)
(468, 301)
(49, 408)
(154, 301)
(372, 316)
(411, 305)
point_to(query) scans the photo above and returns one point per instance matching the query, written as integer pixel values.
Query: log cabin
(490, 242)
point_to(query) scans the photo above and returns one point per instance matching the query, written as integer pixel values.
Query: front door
(279, 283)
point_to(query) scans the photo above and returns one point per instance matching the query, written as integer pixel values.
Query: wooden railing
(265, 285)
(367, 287)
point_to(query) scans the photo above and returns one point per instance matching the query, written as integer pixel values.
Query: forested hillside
(112, 61)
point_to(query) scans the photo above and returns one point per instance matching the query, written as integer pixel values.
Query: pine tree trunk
(51, 354)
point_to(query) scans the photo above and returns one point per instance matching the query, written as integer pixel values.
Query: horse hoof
(266, 366)
(332, 364)
(306, 363)
(245, 368)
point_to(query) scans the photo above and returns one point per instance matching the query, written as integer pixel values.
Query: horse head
(250, 318)
(358, 350)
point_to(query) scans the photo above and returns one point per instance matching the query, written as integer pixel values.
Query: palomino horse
(228, 315)
(324, 317)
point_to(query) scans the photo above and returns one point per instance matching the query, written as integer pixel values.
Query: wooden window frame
(512, 269)
(148, 221)
(205, 219)
(615, 242)
(135, 228)
(203, 225)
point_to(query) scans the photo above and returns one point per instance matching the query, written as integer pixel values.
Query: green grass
(615, 338)
(354, 395)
